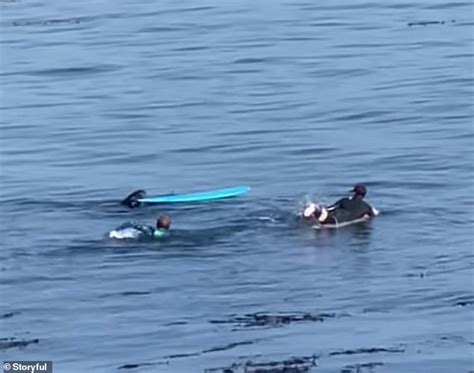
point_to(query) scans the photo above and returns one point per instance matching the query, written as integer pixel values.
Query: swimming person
(345, 211)
(134, 230)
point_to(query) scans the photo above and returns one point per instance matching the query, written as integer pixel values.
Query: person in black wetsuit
(343, 211)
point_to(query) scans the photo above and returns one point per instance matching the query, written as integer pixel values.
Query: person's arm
(371, 212)
(337, 204)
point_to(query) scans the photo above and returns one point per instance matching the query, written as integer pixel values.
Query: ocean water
(298, 99)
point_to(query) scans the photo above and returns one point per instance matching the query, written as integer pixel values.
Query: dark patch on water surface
(292, 365)
(212, 349)
(249, 60)
(278, 319)
(359, 368)
(63, 72)
(126, 294)
(52, 22)
(372, 350)
(174, 323)
(133, 366)
(139, 365)
(9, 314)
(418, 275)
(6, 343)
(451, 338)
(464, 302)
(178, 356)
(228, 346)
(428, 23)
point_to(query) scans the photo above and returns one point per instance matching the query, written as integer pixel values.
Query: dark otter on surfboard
(346, 211)
(133, 199)
(140, 197)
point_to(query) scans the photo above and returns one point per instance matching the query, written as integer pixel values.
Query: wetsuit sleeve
(337, 204)
(369, 210)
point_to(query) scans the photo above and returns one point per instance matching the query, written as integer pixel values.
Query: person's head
(359, 191)
(163, 222)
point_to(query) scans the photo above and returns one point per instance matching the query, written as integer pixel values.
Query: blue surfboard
(199, 197)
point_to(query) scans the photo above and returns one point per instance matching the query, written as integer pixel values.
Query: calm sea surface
(298, 99)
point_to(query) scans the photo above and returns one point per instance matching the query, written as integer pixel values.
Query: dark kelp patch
(125, 294)
(9, 314)
(261, 319)
(301, 364)
(465, 301)
(130, 293)
(51, 22)
(176, 323)
(359, 368)
(372, 350)
(228, 346)
(140, 365)
(6, 343)
(429, 23)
